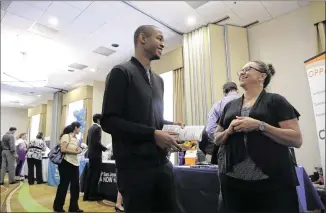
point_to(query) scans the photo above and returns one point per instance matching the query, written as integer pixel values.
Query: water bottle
(181, 158)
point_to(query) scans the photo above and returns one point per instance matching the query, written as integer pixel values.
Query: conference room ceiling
(42, 40)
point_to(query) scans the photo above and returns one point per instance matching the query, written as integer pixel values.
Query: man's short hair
(229, 86)
(146, 29)
(12, 129)
(96, 117)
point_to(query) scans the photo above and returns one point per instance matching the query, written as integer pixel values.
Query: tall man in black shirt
(133, 114)
(95, 149)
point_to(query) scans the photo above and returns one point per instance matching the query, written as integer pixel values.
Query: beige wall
(48, 125)
(169, 61)
(14, 117)
(98, 92)
(287, 42)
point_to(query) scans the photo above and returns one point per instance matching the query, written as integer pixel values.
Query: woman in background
(254, 133)
(21, 149)
(34, 158)
(68, 170)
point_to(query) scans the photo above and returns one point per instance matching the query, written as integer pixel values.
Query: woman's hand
(245, 124)
(230, 129)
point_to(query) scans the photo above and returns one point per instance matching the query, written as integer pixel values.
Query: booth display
(315, 67)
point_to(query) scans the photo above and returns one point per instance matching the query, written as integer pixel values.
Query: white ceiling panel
(303, 3)
(215, 10)
(24, 10)
(81, 5)
(63, 11)
(249, 11)
(45, 17)
(175, 15)
(42, 5)
(277, 8)
(15, 21)
(2, 13)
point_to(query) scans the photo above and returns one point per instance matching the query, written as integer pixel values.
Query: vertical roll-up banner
(315, 68)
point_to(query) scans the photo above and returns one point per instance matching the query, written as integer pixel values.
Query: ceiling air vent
(43, 30)
(14, 102)
(103, 51)
(77, 66)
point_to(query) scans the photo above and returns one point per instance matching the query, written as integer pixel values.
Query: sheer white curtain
(197, 75)
(168, 95)
(35, 126)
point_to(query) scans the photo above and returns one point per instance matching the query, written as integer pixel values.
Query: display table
(45, 163)
(197, 189)
(107, 185)
(53, 172)
(309, 199)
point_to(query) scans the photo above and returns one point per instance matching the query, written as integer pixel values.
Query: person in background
(118, 205)
(95, 149)
(21, 150)
(132, 113)
(8, 156)
(230, 91)
(254, 134)
(34, 158)
(68, 169)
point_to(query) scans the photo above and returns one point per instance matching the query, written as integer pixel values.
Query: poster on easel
(315, 68)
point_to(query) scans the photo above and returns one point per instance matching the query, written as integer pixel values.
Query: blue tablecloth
(198, 188)
(309, 199)
(53, 173)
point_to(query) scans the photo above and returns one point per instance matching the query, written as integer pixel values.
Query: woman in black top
(254, 133)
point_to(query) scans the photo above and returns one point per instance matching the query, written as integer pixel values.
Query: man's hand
(165, 141)
(179, 123)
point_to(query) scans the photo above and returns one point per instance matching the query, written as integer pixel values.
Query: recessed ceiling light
(21, 104)
(115, 45)
(38, 95)
(66, 83)
(93, 70)
(53, 21)
(191, 20)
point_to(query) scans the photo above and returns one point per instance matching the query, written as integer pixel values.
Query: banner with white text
(316, 76)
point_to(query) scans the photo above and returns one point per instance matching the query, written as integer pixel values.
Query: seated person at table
(68, 169)
(254, 134)
(95, 149)
(34, 158)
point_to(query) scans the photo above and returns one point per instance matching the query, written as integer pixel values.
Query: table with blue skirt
(197, 188)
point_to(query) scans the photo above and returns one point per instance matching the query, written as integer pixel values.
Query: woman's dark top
(272, 158)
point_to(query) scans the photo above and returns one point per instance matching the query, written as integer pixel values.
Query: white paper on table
(188, 133)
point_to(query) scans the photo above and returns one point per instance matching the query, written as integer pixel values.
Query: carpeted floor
(39, 198)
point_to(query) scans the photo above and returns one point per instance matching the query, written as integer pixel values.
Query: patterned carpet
(39, 198)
